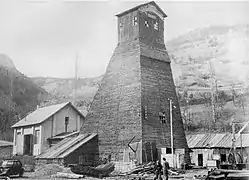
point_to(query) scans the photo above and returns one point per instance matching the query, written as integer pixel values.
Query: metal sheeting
(77, 143)
(209, 140)
(66, 146)
(245, 140)
(5, 143)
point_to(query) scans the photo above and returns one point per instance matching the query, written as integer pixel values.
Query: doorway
(223, 158)
(200, 159)
(28, 144)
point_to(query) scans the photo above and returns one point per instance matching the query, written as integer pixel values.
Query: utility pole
(171, 131)
(212, 91)
(75, 78)
(213, 45)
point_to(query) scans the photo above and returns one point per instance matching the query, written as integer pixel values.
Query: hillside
(221, 52)
(18, 96)
(64, 88)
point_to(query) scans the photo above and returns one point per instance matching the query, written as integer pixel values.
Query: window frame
(156, 26)
(134, 21)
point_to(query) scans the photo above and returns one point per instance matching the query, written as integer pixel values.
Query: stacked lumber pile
(141, 172)
(147, 171)
(146, 168)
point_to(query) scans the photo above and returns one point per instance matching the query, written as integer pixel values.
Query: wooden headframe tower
(136, 87)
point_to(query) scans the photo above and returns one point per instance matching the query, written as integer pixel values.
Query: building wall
(148, 34)
(126, 30)
(157, 87)
(37, 146)
(115, 113)
(59, 120)
(208, 155)
(19, 133)
(46, 132)
(87, 154)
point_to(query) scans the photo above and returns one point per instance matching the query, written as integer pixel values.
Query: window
(162, 117)
(156, 26)
(223, 158)
(37, 137)
(145, 112)
(146, 23)
(121, 25)
(134, 20)
(66, 123)
(168, 151)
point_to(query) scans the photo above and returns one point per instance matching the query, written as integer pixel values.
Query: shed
(81, 149)
(209, 149)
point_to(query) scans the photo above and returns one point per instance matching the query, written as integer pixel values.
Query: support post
(171, 131)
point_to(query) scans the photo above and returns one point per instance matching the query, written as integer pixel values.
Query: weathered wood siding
(88, 153)
(115, 110)
(148, 34)
(157, 87)
(59, 120)
(126, 30)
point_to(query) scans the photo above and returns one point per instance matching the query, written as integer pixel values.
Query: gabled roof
(5, 143)
(137, 7)
(66, 146)
(209, 140)
(42, 114)
(216, 140)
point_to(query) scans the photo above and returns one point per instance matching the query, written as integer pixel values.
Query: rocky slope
(18, 95)
(221, 50)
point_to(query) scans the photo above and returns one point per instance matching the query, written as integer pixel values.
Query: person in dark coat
(165, 169)
(158, 170)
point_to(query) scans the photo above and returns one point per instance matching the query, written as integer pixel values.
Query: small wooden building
(210, 150)
(32, 134)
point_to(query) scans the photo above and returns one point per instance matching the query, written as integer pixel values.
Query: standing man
(158, 169)
(165, 169)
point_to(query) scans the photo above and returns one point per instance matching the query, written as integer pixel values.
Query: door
(28, 144)
(200, 159)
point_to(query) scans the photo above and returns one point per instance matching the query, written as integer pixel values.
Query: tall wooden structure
(135, 88)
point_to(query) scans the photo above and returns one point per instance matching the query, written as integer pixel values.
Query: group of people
(162, 169)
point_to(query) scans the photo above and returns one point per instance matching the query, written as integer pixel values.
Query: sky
(43, 37)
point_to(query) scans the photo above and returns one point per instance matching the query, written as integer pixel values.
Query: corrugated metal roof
(209, 140)
(66, 146)
(5, 143)
(42, 114)
(245, 140)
